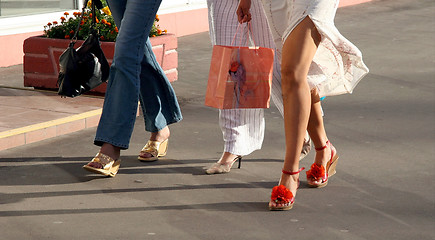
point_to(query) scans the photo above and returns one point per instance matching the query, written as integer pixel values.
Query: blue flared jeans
(135, 75)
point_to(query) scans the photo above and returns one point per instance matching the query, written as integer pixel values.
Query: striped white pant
(243, 129)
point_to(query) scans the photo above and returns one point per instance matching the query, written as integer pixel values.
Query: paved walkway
(32, 116)
(384, 134)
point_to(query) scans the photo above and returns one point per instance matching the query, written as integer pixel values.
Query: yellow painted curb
(48, 124)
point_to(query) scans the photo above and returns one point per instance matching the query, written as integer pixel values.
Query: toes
(146, 155)
(313, 181)
(282, 205)
(278, 204)
(95, 165)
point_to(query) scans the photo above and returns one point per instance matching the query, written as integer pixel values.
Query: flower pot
(41, 59)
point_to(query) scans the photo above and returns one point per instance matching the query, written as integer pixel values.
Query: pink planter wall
(41, 59)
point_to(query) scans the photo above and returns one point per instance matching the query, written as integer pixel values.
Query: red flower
(66, 13)
(282, 194)
(55, 22)
(67, 37)
(234, 66)
(316, 172)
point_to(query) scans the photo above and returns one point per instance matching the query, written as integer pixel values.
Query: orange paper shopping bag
(239, 77)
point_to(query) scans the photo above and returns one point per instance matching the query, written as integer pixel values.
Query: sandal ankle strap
(323, 147)
(292, 173)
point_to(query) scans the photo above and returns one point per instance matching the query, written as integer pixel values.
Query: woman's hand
(242, 12)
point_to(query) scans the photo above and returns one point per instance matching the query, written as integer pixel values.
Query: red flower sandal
(318, 172)
(282, 194)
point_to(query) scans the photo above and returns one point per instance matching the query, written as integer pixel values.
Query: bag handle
(241, 31)
(94, 3)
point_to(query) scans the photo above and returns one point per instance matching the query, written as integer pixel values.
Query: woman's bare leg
(298, 52)
(317, 131)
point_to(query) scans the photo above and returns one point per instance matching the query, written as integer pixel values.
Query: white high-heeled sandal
(218, 168)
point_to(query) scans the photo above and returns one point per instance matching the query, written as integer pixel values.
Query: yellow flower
(106, 10)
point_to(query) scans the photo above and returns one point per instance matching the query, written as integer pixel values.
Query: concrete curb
(49, 129)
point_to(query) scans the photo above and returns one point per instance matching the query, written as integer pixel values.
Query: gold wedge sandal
(155, 149)
(109, 166)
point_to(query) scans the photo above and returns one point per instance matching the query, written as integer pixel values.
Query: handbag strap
(94, 3)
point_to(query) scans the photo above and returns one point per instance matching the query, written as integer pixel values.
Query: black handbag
(86, 67)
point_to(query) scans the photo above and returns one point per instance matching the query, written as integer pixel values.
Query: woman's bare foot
(158, 136)
(224, 164)
(291, 182)
(227, 158)
(323, 155)
(109, 150)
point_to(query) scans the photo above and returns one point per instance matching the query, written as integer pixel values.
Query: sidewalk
(383, 132)
(33, 116)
